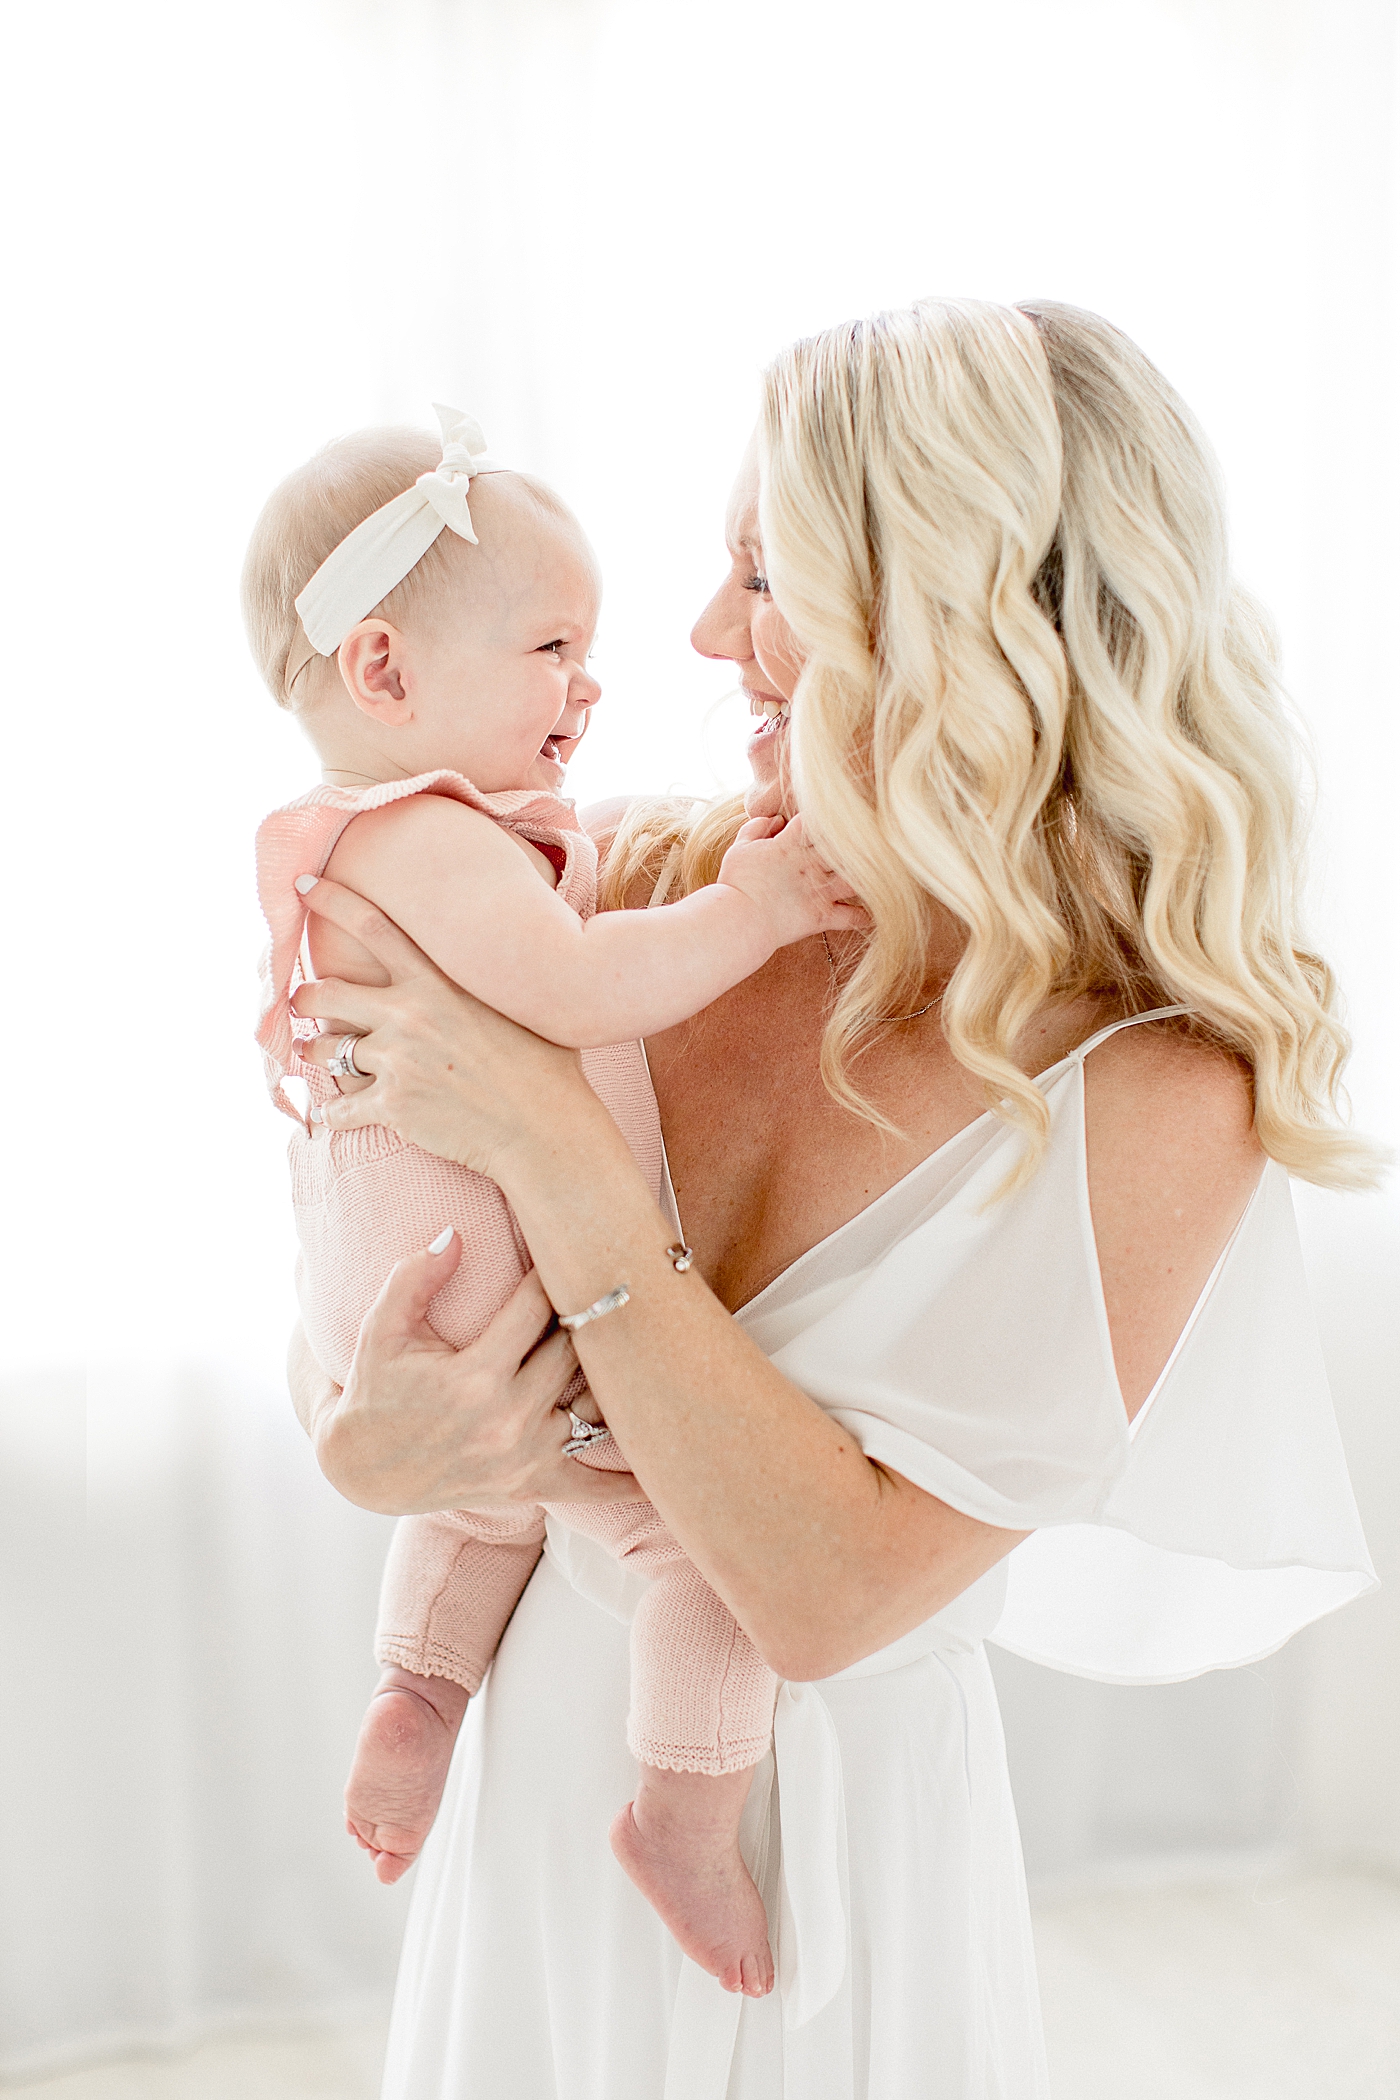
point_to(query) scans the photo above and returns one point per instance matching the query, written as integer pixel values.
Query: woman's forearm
(821, 1555)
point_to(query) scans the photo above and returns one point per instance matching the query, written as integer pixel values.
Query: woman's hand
(421, 1426)
(450, 1074)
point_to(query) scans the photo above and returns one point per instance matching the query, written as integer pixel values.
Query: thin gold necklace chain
(889, 1020)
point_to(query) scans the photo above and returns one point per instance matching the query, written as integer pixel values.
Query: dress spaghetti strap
(1158, 1013)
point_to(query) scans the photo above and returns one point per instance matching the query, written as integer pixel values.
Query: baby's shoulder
(446, 839)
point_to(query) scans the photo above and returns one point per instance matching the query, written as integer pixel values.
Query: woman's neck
(946, 947)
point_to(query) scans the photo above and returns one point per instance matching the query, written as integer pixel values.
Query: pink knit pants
(702, 1699)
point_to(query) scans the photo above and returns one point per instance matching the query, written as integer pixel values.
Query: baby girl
(430, 624)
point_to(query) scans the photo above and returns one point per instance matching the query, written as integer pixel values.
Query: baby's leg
(701, 1718)
(451, 1583)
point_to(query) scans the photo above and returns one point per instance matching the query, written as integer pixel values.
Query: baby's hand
(777, 867)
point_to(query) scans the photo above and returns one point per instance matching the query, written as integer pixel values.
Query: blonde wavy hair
(1033, 694)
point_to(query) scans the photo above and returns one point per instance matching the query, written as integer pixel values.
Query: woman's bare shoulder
(601, 819)
(1168, 1078)
(1173, 1160)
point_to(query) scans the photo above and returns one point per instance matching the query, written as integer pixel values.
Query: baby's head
(476, 661)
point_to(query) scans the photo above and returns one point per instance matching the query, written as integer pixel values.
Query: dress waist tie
(803, 1771)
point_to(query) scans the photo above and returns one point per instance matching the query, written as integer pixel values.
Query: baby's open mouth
(558, 747)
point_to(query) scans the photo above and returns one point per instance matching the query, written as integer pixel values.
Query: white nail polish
(443, 1241)
(305, 883)
(316, 1116)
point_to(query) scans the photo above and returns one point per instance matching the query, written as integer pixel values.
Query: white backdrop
(238, 231)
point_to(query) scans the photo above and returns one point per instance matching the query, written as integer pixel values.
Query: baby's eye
(549, 648)
(757, 583)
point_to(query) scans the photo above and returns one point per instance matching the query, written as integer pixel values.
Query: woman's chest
(764, 1161)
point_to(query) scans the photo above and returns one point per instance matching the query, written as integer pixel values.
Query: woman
(949, 1257)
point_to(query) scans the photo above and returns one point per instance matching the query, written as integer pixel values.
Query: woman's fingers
(516, 1328)
(400, 1312)
(359, 1007)
(542, 1380)
(546, 1375)
(572, 1481)
(388, 943)
(323, 1050)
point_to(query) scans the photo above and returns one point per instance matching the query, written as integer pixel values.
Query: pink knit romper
(702, 1699)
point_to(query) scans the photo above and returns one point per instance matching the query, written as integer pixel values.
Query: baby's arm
(462, 888)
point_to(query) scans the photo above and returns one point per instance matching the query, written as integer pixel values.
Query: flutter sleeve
(962, 1339)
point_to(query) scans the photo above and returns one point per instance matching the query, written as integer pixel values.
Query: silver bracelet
(680, 1258)
(595, 1311)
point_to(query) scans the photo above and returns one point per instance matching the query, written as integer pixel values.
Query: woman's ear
(372, 661)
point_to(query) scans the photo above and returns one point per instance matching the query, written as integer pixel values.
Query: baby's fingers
(848, 918)
(758, 828)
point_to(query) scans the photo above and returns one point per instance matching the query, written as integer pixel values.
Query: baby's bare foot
(679, 1842)
(400, 1768)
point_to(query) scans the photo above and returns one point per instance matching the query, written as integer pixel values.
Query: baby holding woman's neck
(442, 677)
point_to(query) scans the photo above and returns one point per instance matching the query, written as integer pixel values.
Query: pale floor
(1288, 1989)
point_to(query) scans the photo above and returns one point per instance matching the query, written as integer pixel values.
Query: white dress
(964, 1342)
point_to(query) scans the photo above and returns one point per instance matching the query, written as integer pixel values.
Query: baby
(431, 624)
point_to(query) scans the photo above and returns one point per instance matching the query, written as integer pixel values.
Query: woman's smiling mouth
(772, 710)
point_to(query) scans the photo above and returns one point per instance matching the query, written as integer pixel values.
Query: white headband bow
(380, 552)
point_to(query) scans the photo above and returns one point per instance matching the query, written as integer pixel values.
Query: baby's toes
(392, 1847)
(758, 1973)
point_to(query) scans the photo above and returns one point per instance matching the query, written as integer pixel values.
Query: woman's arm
(822, 1556)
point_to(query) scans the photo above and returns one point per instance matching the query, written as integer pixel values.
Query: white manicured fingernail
(443, 1241)
(316, 1116)
(305, 883)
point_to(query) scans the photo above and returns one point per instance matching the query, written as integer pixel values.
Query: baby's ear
(371, 660)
